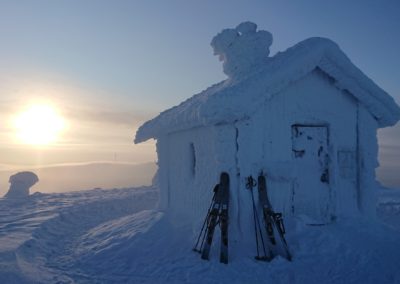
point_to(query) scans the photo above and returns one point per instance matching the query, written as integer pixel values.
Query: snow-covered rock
(20, 183)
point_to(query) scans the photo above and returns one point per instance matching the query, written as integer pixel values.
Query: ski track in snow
(116, 236)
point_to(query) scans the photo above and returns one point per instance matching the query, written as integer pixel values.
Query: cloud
(94, 115)
(103, 116)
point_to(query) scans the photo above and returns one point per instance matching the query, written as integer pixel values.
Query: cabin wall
(191, 163)
(368, 162)
(265, 143)
(161, 177)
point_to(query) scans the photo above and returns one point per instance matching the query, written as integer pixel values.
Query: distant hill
(86, 176)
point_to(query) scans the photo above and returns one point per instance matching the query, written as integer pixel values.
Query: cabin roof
(236, 99)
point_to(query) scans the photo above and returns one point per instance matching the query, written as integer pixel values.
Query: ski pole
(250, 184)
(208, 218)
(204, 223)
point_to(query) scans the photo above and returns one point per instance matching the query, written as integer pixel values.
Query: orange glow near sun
(39, 124)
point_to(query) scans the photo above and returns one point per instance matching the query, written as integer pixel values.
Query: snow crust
(255, 78)
(116, 236)
(20, 184)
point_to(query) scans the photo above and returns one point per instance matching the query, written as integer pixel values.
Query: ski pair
(217, 214)
(273, 222)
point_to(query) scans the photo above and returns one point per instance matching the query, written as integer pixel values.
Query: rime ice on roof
(242, 49)
(20, 184)
(255, 78)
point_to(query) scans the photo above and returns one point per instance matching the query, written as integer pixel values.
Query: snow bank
(255, 78)
(41, 226)
(20, 184)
(56, 239)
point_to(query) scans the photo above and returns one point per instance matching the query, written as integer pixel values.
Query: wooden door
(311, 190)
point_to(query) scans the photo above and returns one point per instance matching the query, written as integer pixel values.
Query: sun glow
(39, 125)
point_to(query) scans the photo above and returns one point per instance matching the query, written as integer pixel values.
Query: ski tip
(224, 177)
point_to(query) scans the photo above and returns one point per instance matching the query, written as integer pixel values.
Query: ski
(218, 214)
(203, 232)
(211, 224)
(224, 217)
(273, 221)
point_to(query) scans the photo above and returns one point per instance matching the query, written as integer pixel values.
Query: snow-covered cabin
(306, 117)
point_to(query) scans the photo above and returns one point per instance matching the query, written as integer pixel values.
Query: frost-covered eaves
(233, 100)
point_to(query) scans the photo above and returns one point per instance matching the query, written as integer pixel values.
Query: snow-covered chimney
(241, 49)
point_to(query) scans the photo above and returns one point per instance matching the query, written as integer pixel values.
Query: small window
(192, 159)
(347, 161)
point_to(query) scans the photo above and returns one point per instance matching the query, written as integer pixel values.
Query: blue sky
(111, 65)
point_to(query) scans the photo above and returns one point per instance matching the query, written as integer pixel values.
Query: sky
(108, 66)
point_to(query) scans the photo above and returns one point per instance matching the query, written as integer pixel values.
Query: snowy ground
(116, 236)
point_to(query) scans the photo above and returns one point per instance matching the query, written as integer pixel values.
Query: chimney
(242, 49)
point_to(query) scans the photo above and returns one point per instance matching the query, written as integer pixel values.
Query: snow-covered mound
(116, 236)
(20, 184)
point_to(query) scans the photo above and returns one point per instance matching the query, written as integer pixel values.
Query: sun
(39, 124)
